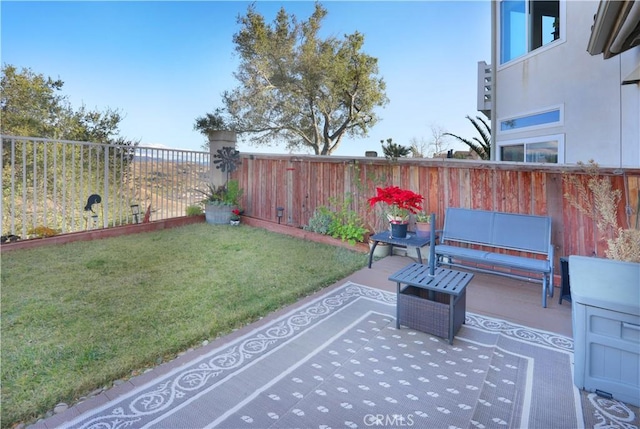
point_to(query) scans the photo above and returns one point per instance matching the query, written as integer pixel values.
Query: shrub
(346, 224)
(352, 231)
(320, 221)
(42, 231)
(194, 210)
(233, 195)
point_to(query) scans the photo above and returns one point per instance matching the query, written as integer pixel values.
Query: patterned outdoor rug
(339, 362)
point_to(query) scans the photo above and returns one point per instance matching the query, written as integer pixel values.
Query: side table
(435, 304)
(412, 240)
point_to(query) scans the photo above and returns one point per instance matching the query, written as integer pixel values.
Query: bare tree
(439, 143)
(419, 147)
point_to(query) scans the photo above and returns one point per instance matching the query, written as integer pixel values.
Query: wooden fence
(300, 184)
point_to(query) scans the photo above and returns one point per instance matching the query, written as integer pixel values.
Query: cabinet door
(613, 354)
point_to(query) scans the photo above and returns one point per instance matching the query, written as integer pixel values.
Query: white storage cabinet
(606, 327)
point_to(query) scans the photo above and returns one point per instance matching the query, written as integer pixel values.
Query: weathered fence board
(54, 190)
(303, 183)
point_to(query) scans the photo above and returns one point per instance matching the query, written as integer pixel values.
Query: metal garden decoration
(228, 160)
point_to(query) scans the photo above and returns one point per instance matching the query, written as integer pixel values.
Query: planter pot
(423, 229)
(382, 249)
(235, 222)
(217, 214)
(399, 230)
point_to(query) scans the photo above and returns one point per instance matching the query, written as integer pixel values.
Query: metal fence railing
(67, 186)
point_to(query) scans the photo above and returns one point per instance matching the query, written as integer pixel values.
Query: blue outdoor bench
(473, 236)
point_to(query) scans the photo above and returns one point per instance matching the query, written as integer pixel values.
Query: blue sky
(162, 64)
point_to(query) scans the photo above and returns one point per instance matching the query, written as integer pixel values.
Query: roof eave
(615, 29)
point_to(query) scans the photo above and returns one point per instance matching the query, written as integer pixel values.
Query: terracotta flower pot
(423, 229)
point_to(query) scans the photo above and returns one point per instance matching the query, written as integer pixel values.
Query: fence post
(105, 191)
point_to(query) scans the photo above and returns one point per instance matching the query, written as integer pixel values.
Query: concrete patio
(490, 295)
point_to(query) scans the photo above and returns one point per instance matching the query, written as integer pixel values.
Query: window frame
(532, 140)
(529, 52)
(548, 109)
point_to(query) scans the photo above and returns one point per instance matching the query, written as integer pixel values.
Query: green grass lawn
(76, 317)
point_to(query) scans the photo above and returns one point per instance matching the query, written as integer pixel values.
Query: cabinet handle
(631, 326)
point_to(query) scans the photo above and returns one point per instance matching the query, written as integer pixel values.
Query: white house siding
(600, 118)
(630, 60)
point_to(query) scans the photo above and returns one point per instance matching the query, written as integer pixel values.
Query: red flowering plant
(401, 202)
(235, 214)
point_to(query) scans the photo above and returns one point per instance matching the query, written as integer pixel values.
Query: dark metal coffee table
(441, 309)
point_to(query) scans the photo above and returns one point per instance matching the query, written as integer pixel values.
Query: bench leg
(544, 291)
(440, 261)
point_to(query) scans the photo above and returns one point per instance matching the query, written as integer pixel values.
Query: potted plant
(400, 204)
(235, 217)
(423, 224)
(217, 208)
(220, 201)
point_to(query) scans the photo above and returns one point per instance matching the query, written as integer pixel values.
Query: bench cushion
(497, 259)
(519, 262)
(461, 252)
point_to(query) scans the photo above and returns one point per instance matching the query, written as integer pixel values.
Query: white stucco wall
(601, 118)
(630, 99)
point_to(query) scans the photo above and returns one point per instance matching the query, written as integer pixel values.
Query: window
(513, 152)
(551, 117)
(542, 152)
(546, 149)
(526, 26)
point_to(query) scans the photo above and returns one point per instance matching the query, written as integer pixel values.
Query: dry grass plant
(599, 201)
(625, 246)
